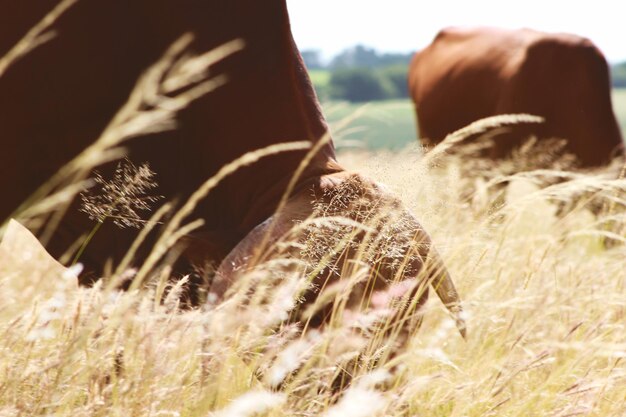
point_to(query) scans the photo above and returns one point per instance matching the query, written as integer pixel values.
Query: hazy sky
(405, 25)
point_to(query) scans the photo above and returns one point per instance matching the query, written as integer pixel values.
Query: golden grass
(544, 291)
(36, 36)
(538, 258)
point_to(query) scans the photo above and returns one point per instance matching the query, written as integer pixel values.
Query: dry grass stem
(36, 36)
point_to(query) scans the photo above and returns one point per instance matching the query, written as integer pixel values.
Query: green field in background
(619, 106)
(391, 124)
(319, 77)
(382, 124)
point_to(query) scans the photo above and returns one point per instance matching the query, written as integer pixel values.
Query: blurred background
(357, 51)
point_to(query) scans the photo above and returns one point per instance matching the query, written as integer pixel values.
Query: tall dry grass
(540, 268)
(538, 257)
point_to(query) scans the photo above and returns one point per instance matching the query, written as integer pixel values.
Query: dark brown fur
(56, 100)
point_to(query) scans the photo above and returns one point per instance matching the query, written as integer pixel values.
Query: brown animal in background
(57, 99)
(467, 74)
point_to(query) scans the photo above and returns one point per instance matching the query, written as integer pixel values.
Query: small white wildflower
(366, 320)
(50, 308)
(251, 403)
(358, 402)
(448, 324)
(374, 378)
(128, 274)
(443, 331)
(289, 359)
(464, 315)
(41, 333)
(58, 300)
(47, 315)
(212, 298)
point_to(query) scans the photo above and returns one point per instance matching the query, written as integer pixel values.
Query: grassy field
(537, 256)
(619, 106)
(377, 125)
(538, 259)
(319, 78)
(391, 124)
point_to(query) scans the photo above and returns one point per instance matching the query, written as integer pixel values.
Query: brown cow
(57, 99)
(468, 74)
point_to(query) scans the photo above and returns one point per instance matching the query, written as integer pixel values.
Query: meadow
(391, 124)
(537, 256)
(619, 106)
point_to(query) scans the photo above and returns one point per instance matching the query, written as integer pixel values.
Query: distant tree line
(360, 74)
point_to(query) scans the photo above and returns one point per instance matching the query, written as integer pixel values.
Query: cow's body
(468, 74)
(56, 100)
